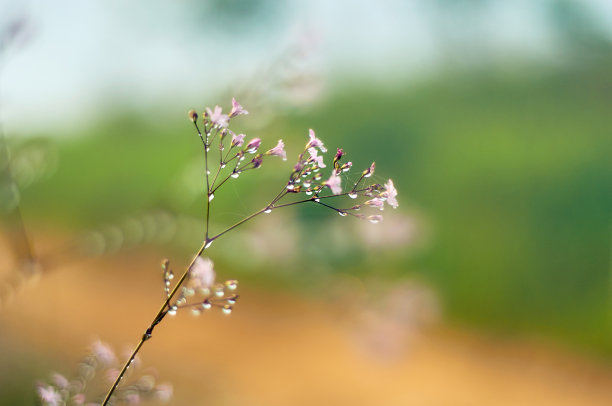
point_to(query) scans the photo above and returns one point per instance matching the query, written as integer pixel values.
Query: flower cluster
(200, 291)
(306, 175)
(233, 153)
(100, 361)
(196, 288)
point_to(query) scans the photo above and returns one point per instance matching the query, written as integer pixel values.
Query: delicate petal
(201, 274)
(217, 117)
(315, 142)
(315, 157)
(390, 194)
(377, 203)
(253, 145)
(278, 150)
(334, 183)
(237, 109)
(237, 140)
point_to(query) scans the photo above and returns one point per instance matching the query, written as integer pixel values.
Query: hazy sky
(78, 54)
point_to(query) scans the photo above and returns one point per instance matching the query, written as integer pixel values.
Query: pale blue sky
(82, 52)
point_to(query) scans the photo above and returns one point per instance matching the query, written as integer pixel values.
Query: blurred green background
(501, 154)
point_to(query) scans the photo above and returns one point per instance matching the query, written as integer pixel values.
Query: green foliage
(513, 174)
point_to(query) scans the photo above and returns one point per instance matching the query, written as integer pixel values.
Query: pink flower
(237, 109)
(201, 274)
(217, 117)
(253, 145)
(377, 202)
(49, 396)
(103, 352)
(339, 154)
(315, 142)
(334, 183)
(257, 161)
(237, 140)
(390, 193)
(278, 150)
(315, 157)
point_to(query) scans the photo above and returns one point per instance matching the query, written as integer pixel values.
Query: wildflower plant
(228, 156)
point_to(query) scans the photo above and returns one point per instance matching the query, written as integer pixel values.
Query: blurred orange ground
(280, 350)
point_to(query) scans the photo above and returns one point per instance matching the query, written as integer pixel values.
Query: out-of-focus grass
(513, 174)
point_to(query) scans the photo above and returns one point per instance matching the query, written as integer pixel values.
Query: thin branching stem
(313, 198)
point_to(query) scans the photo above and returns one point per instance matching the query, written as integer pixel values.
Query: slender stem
(163, 309)
(244, 220)
(158, 318)
(208, 192)
(311, 199)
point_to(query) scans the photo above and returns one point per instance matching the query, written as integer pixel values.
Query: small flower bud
(257, 161)
(193, 116)
(253, 145)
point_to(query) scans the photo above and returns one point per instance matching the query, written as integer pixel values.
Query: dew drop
(227, 309)
(306, 184)
(170, 275)
(208, 172)
(172, 311)
(211, 196)
(219, 293)
(207, 149)
(343, 213)
(242, 157)
(235, 175)
(206, 305)
(290, 187)
(181, 301)
(374, 220)
(317, 200)
(309, 192)
(352, 195)
(208, 244)
(268, 210)
(231, 284)
(188, 292)
(222, 166)
(196, 311)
